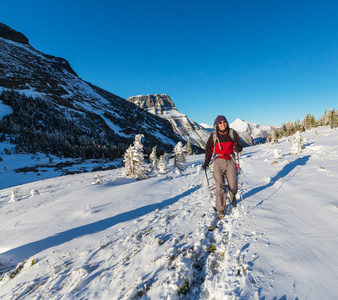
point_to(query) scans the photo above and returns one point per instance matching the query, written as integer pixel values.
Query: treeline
(330, 118)
(37, 125)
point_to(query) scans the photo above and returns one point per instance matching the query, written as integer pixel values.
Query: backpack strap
(215, 137)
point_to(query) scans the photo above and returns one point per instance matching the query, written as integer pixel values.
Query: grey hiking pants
(224, 169)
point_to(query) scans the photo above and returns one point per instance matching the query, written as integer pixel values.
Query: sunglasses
(222, 122)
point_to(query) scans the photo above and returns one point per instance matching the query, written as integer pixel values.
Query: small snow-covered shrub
(184, 287)
(34, 192)
(15, 196)
(97, 179)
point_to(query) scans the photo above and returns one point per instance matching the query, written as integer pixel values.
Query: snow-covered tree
(179, 160)
(162, 165)
(333, 118)
(297, 143)
(153, 158)
(274, 136)
(134, 165)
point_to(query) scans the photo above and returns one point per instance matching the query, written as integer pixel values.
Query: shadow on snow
(20, 253)
(282, 173)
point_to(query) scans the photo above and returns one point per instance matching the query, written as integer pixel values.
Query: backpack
(215, 138)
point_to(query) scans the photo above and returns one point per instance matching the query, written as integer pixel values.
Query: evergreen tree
(297, 144)
(273, 136)
(162, 165)
(333, 118)
(134, 165)
(179, 160)
(153, 159)
(188, 149)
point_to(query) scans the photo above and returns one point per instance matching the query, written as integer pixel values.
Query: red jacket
(224, 146)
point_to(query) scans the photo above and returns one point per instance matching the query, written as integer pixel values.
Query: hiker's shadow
(282, 173)
(18, 254)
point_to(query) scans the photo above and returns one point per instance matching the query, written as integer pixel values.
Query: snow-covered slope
(251, 133)
(159, 239)
(33, 73)
(163, 106)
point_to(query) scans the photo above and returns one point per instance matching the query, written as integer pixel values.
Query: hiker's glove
(238, 149)
(204, 166)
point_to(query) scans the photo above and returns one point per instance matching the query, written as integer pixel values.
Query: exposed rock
(10, 34)
(100, 117)
(164, 107)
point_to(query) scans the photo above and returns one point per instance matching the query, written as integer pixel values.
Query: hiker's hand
(204, 166)
(237, 149)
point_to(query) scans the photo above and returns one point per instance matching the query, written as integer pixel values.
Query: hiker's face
(222, 125)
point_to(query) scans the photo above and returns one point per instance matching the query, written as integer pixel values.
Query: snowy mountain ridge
(33, 73)
(164, 107)
(74, 238)
(249, 133)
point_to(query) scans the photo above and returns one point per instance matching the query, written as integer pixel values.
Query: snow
(206, 126)
(148, 239)
(4, 110)
(255, 130)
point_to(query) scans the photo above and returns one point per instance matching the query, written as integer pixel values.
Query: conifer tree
(188, 149)
(179, 160)
(134, 165)
(333, 118)
(153, 158)
(297, 144)
(274, 136)
(162, 165)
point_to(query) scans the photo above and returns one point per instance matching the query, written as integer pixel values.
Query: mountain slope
(159, 238)
(164, 107)
(251, 133)
(110, 119)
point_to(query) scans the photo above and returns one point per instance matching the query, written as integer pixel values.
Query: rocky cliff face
(163, 106)
(106, 118)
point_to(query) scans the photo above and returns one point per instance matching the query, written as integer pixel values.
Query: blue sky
(266, 62)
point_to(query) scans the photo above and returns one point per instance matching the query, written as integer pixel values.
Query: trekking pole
(240, 179)
(206, 175)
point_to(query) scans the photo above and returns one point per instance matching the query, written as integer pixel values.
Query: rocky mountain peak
(153, 102)
(10, 34)
(162, 106)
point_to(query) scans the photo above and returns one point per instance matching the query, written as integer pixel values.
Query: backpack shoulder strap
(232, 135)
(214, 136)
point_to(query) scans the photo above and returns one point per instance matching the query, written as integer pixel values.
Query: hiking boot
(220, 213)
(233, 201)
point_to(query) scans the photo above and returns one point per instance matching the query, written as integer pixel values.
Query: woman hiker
(223, 142)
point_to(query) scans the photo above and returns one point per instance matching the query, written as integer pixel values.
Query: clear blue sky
(263, 61)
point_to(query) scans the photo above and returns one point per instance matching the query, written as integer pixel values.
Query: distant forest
(37, 125)
(330, 118)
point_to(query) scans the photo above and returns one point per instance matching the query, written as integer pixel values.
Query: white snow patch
(158, 238)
